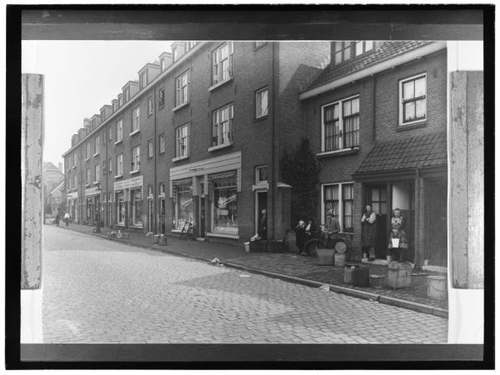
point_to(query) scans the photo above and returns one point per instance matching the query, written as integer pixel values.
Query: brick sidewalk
(288, 264)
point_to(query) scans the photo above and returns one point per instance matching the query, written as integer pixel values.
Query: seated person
(329, 236)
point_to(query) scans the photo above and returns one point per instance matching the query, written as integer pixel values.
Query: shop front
(72, 205)
(92, 205)
(205, 195)
(128, 200)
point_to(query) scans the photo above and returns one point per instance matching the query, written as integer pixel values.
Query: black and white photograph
(266, 190)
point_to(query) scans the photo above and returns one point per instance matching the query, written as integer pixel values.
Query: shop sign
(92, 191)
(128, 183)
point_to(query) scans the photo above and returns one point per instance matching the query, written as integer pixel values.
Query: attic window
(144, 79)
(343, 51)
(163, 64)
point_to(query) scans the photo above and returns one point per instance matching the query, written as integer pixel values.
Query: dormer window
(175, 53)
(120, 100)
(126, 94)
(144, 79)
(163, 64)
(343, 52)
(362, 47)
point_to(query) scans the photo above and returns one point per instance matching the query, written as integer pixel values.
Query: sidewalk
(291, 267)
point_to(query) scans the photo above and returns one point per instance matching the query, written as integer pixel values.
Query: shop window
(182, 141)
(222, 123)
(120, 208)
(222, 63)
(413, 99)
(340, 199)
(225, 205)
(183, 207)
(341, 125)
(182, 89)
(261, 103)
(136, 207)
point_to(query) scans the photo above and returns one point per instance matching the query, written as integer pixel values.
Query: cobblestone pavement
(99, 291)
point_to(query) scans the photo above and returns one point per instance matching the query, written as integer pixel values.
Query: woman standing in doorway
(368, 232)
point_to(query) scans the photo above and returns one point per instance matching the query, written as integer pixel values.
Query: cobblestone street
(99, 291)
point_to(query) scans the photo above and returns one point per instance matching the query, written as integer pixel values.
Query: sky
(79, 78)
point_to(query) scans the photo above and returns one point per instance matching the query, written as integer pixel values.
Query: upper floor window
(119, 130)
(110, 133)
(182, 141)
(150, 106)
(88, 150)
(222, 123)
(161, 97)
(136, 159)
(261, 102)
(413, 99)
(361, 47)
(87, 176)
(119, 165)
(150, 149)
(260, 43)
(161, 143)
(222, 63)
(343, 51)
(136, 119)
(110, 166)
(340, 128)
(96, 146)
(163, 64)
(261, 174)
(97, 172)
(182, 89)
(126, 94)
(143, 79)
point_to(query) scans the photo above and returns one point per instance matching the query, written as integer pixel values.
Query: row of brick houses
(197, 139)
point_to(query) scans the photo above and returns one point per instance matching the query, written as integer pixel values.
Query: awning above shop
(427, 152)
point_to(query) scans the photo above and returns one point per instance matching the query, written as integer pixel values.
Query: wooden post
(32, 127)
(419, 220)
(467, 176)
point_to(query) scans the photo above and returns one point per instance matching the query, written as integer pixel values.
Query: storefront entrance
(261, 214)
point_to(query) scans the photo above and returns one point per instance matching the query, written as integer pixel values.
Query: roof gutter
(374, 69)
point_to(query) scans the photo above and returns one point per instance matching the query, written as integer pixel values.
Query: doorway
(162, 215)
(377, 198)
(202, 216)
(435, 221)
(261, 214)
(150, 215)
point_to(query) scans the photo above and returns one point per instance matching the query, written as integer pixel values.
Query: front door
(150, 215)
(377, 198)
(202, 218)
(162, 215)
(435, 201)
(261, 214)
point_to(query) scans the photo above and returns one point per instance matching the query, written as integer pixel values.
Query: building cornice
(374, 69)
(142, 92)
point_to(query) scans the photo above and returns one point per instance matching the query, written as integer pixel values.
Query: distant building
(52, 177)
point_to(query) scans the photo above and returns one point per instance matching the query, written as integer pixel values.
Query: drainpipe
(274, 142)
(374, 108)
(155, 159)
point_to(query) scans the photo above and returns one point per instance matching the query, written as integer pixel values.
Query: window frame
(119, 134)
(217, 65)
(345, 45)
(257, 92)
(136, 114)
(119, 166)
(135, 161)
(340, 103)
(401, 102)
(178, 89)
(150, 148)
(161, 101)
(256, 173)
(340, 214)
(188, 136)
(216, 116)
(161, 140)
(150, 106)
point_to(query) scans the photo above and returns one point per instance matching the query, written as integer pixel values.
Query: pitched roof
(386, 51)
(420, 151)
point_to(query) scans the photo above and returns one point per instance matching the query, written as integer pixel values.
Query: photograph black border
(246, 22)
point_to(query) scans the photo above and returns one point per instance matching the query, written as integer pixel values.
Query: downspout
(154, 227)
(274, 142)
(374, 108)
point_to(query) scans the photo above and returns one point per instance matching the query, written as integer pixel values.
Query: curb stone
(392, 301)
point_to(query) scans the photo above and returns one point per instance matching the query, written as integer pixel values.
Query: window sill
(118, 142)
(96, 154)
(175, 109)
(218, 147)
(345, 151)
(411, 125)
(261, 118)
(118, 176)
(231, 236)
(135, 171)
(179, 158)
(134, 132)
(219, 84)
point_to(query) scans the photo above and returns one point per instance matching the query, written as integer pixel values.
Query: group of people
(398, 242)
(329, 235)
(66, 218)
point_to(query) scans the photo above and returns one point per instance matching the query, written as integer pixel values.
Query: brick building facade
(377, 121)
(195, 141)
